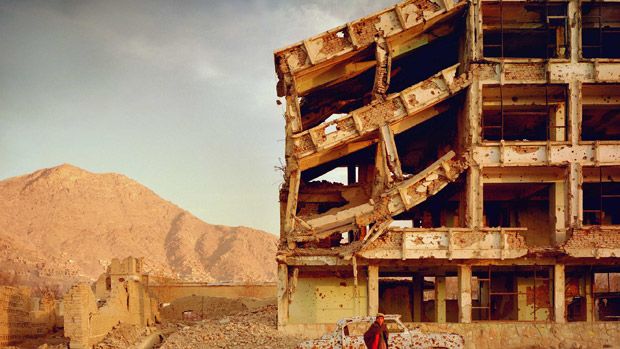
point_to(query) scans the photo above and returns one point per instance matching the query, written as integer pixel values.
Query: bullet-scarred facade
(453, 162)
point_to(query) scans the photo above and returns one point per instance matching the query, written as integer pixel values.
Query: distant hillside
(61, 224)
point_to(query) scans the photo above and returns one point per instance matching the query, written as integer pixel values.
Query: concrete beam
(545, 154)
(309, 59)
(401, 197)
(540, 71)
(409, 108)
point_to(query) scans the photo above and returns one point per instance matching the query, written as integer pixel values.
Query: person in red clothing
(376, 337)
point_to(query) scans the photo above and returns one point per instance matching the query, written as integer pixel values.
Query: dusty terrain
(62, 224)
(249, 329)
(254, 326)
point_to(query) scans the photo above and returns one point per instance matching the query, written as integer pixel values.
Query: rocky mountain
(61, 224)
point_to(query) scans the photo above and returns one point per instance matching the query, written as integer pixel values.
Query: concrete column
(373, 290)
(418, 296)
(464, 281)
(589, 297)
(440, 299)
(575, 180)
(291, 203)
(557, 131)
(351, 174)
(282, 295)
(475, 29)
(475, 201)
(559, 303)
(557, 211)
(574, 110)
(574, 16)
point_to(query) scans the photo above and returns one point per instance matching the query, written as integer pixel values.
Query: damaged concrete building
(477, 145)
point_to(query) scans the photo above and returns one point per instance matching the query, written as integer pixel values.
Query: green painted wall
(327, 299)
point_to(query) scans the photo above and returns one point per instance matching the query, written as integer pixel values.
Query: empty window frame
(606, 293)
(512, 293)
(600, 120)
(601, 195)
(600, 31)
(414, 296)
(520, 29)
(524, 113)
(396, 295)
(520, 205)
(575, 293)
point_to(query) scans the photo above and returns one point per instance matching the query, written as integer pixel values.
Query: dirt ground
(254, 326)
(249, 329)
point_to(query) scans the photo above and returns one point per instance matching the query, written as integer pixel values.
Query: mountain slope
(69, 223)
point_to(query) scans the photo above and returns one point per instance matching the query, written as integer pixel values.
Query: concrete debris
(250, 329)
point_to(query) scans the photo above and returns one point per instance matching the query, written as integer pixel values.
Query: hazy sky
(178, 95)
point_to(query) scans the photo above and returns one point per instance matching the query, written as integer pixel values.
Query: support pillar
(418, 296)
(574, 110)
(574, 16)
(557, 211)
(393, 161)
(557, 126)
(589, 297)
(559, 302)
(575, 181)
(373, 290)
(475, 201)
(440, 299)
(282, 295)
(464, 298)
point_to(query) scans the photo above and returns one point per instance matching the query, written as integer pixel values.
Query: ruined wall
(23, 316)
(87, 322)
(324, 298)
(168, 293)
(89, 318)
(199, 307)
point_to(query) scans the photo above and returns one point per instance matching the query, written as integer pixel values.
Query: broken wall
(23, 316)
(88, 318)
(166, 293)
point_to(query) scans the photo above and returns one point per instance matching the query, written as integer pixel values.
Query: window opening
(601, 200)
(606, 290)
(519, 113)
(600, 30)
(503, 294)
(525, 29)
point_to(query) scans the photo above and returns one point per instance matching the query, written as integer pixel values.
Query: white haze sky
(178, 95)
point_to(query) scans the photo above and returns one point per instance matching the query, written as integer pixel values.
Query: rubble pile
(124, 335)
(249, 329)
